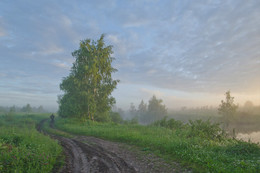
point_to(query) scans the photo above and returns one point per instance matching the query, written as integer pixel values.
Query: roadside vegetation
(86, 109)
(200, 145)
(23, 148)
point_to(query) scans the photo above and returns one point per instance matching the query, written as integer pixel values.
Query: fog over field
(130, 86)
(187, 53)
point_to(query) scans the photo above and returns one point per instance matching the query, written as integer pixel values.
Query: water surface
(253, 136)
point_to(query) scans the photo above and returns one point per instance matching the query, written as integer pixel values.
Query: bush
(115, 117)
(205, 129)
(170, 124)
(102, 117)
(243, 148)
(132, 121)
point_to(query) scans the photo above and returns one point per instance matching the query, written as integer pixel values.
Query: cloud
(52, 50)
(61, 64)
(149, 92)
(48, 51)
(35, 100)
(194, 47)
(2, 74)
(120, 45)
(2, 32)
(113, 39)
(201, 49)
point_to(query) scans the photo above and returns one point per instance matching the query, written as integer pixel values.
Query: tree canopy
(87, 89)
(156, 109)
(146, 114)
(27, 108)
(227, 108)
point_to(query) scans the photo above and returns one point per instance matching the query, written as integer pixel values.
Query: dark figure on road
(52, 120)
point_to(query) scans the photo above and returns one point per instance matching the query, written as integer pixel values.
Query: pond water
(253, 136)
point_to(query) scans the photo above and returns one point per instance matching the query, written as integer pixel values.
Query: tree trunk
(92, 117)
(88, 113)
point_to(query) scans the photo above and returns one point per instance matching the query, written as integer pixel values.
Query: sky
(186, 52)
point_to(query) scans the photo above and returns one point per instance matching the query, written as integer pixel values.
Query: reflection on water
(253, 137)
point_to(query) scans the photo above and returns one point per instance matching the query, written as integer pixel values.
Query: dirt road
(93, 155)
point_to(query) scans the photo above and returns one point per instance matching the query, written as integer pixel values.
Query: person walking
(52, 120)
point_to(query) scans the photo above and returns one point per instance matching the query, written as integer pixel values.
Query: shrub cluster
(171, 123)
(196, 128)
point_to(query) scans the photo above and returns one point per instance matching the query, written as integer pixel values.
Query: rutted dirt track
(93, 155)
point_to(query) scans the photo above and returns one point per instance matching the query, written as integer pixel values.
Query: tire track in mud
(83, 157)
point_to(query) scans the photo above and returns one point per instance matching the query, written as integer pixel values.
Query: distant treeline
(246, 118)
(145, 113)
(26, 109)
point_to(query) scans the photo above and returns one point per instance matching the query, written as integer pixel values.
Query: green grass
(46, 127)
(23, 148)
(192, 145)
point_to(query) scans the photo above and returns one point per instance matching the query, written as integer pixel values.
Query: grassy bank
(23, 148)
(200, 145)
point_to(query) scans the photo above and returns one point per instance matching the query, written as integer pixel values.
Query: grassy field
(199, 145)
(23, 148)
